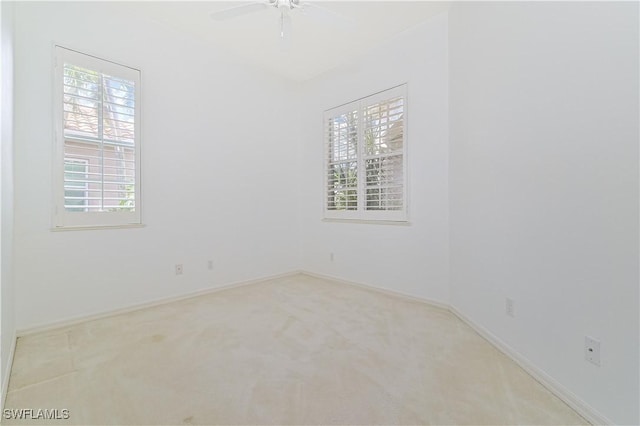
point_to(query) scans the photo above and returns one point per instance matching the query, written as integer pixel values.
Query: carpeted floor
(296, 350)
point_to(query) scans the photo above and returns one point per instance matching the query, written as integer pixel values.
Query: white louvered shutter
(99, 141)
(383, 128)
(365, 158)
(342, 159)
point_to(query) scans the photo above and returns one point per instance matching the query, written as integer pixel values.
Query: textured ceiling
(317, 45)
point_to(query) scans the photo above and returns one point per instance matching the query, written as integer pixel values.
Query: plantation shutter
(342, 159)
(383, 126)
(99, 141)
(365, 158)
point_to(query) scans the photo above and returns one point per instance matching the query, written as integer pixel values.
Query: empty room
(297, 212)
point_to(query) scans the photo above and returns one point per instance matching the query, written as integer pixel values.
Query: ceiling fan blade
(326, 16)
(235, 11)
(285, 31)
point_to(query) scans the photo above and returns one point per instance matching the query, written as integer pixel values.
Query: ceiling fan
(284, 7)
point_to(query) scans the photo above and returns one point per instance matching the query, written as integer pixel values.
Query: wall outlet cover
(592, 350)
(510, 307)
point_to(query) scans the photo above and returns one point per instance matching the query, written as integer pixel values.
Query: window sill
(96, 227)
(369, 221)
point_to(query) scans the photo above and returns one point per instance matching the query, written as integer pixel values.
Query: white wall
(7, 306)
(408, 259)
(544, 187)
(543, 168)
(217, 170)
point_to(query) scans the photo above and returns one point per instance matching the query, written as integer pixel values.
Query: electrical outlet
(179, 269)
(331, 257)
(210, 265)
(592, 350)
(510, 307)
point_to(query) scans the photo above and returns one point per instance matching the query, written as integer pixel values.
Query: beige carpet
(296, 350)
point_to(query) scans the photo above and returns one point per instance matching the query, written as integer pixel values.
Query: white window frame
(63, 219)
(397, 216)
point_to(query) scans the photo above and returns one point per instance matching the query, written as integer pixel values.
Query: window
(365, 158)
(97, 155)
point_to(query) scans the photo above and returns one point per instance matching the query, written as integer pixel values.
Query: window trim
(62, 219)
(361, 215)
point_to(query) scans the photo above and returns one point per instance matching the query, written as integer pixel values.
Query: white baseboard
(385, 291)
(585, 410)
(40, 328)
(7, 372)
